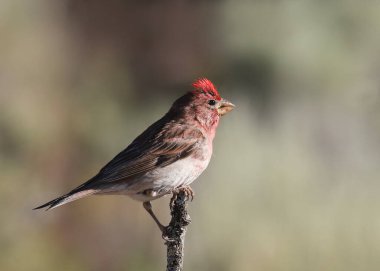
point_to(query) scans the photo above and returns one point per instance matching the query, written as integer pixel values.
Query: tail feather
(66, 199)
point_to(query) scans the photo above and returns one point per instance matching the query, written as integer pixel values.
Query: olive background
(295, 176)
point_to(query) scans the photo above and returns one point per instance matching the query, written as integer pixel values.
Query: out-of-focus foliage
(294, 182)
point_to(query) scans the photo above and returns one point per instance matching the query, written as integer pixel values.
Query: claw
(174, 197)
(189, 193)
(165, 235)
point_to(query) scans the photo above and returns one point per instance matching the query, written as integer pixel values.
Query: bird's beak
(225, 107)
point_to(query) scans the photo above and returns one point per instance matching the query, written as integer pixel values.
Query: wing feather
(159, 146)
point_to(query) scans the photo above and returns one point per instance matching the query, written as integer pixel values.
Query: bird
(166, 158)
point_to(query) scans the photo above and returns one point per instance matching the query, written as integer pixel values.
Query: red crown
(205, 86)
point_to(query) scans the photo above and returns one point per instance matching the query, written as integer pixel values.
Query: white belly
(180, 173)
(161, 181)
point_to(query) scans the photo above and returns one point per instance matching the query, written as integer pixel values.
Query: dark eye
(212, 102)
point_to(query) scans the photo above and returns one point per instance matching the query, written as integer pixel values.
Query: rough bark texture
(175, 233)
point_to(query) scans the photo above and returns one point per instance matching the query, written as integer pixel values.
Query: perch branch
(175, 233)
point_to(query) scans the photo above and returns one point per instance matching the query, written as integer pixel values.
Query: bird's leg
(148, 207)
(186, 189)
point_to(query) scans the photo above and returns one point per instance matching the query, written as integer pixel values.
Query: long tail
(67, 198)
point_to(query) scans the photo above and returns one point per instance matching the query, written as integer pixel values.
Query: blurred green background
(294, 181)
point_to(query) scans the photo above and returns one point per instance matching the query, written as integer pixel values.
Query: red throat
(206, 87)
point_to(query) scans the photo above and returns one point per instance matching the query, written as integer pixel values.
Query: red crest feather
(205, 86)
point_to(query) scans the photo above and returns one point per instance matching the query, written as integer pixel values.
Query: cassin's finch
(166, 157)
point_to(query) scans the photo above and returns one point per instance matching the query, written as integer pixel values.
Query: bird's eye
(212, 102)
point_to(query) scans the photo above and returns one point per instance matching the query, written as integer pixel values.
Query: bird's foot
(168, 232)
(189, 193)
(165, 231)
(165, 234)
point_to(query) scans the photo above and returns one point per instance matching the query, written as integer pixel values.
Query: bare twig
(175, 233)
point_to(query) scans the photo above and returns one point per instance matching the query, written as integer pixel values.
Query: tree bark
(175, 233)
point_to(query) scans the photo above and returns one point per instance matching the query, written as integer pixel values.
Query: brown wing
(160, 145)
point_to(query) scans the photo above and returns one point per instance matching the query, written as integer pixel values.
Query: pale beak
(225, 107)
